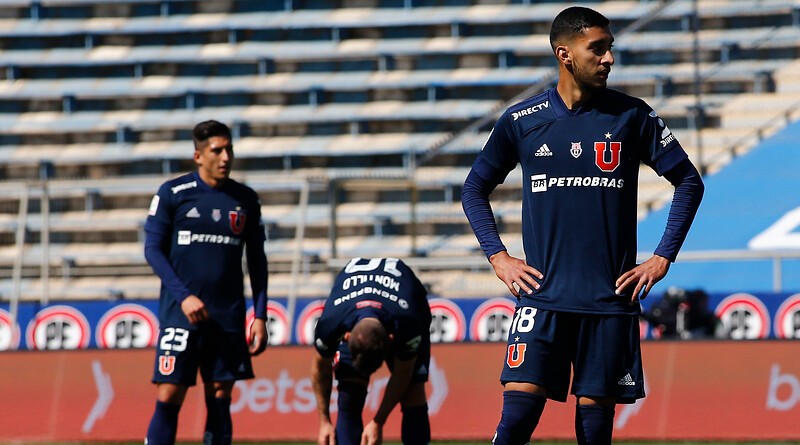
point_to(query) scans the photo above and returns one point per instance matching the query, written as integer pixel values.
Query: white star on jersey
(608, 135)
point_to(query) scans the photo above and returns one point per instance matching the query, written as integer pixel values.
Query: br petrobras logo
(9, 332)
(186, 237)
(787, 319)
(744, 317)
(127, 326)
(538, 183)
(307, 321)
(541, 183)
(278, 326)
(448, 323)
(491, 321)
(58, 327)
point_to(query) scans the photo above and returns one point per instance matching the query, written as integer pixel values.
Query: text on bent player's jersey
(207, 230)
(580, 176)
(384, 288)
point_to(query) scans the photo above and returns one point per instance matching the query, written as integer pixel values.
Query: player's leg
(523, 404)
(164, 422)
(594, 420)
(415, 428)
(225, 359)
(535, 369)
(174, 371)
(350, 403)
(219, 426)
(608, 370)
(352, 390)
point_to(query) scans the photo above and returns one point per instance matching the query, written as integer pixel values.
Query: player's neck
(214, 183)
(571, 94)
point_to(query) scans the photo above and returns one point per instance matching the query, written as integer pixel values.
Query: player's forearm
(322, 382)
(689, 191)
(395, 389)
(257, 267)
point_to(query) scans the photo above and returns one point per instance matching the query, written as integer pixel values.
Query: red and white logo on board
(58, 327)
(307, 321)
(278, 326)
(744, 317)
(448, 323)
(787, 319)
(127, 326)
(491, 321)
(9, 332)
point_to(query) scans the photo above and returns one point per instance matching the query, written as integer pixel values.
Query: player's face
(214, 160)
(591, 58)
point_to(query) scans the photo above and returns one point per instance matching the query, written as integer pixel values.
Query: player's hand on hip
(327, 434)
(643, 277)
(515, 273)
(194, 309)
(259, 336)
(373, 434)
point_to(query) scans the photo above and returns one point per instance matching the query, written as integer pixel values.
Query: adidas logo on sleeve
(544, 150)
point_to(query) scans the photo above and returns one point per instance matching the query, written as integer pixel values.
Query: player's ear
(196, 157)
(391, 338)
(347, 336)
(562, 54)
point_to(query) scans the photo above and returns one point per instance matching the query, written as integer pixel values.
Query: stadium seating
(99, 97)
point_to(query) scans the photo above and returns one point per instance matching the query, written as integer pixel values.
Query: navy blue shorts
(220, 356)
(343, 362)
(602, 352)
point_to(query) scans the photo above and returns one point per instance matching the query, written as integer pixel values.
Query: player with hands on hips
(198, 228)
(580, 146)
(377, 312)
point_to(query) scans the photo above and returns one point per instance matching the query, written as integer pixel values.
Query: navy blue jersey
(203, 233)
(579, 197)
(384, 288)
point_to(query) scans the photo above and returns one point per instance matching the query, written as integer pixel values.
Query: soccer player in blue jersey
(197, 229)
(377, 311)
(579, 146)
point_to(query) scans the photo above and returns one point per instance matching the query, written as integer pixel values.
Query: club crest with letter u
(166, 364)
(237, 219)
(516, 354)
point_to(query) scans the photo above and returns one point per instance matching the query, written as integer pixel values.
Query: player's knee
(220, 390)
(171, 393)
(521, 413)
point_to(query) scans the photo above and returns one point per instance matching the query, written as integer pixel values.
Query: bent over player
(198, 227)
(580, 146)
(377, 311)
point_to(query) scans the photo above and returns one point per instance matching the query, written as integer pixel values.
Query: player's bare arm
(322, 380)
(643, 277)
(259, 336)
(395, 390)
(515, 273)
(194, 309)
